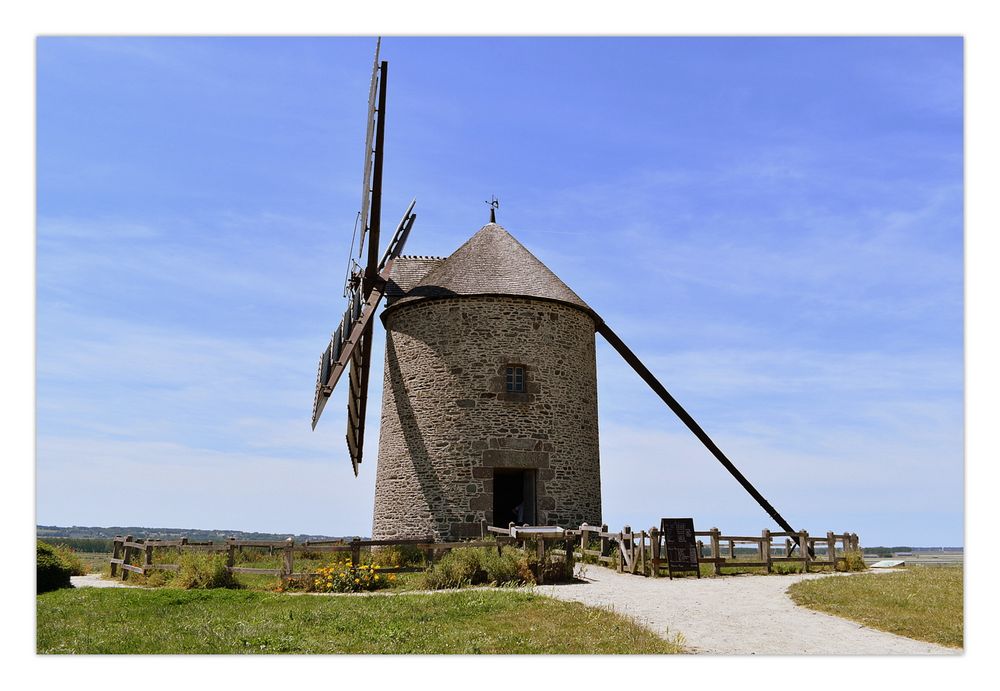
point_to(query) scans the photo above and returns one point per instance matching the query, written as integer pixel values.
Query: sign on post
(681, 548)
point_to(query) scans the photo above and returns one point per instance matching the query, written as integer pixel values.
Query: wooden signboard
(681, 548)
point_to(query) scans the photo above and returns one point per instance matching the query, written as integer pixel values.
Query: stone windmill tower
(489, 408)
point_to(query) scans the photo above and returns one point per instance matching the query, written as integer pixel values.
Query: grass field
(96, 562)
(113, 620)
(921, 602)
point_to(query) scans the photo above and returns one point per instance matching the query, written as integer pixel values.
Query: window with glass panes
(515, 379)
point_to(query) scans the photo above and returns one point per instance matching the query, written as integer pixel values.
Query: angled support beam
(647, 376)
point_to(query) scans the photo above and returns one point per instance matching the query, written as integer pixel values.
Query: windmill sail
(366, 182)
(351, 342)
(356, 329)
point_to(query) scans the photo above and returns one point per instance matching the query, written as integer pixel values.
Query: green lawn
(922, 602)
(118, 620)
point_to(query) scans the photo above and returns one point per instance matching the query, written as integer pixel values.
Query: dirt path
(738, 615)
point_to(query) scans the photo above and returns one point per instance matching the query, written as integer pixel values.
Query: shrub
(855, 560)
(460, 567)
(157, 578)
(70, 559)
(783, 568)
(475, 566)
(203, 571)
(51, 572)
(341, 577)
(512, 568)
(552, 570)
(397, 555)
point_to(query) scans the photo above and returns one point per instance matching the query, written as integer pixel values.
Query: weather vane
(494, 205)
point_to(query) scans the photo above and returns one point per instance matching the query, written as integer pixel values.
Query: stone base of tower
(457, 447)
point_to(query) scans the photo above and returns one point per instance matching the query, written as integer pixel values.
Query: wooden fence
(636, 549)
(768, 553)
(627, 551)
(638, 552)
(127, 549)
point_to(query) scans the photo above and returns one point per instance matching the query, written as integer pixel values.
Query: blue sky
(773, 225)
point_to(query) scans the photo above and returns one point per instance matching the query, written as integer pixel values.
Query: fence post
(541, 559)
(584, 541)
(230, 556)
(765, 544)
(116, 554)
(355, 553)
(149, 559)
(605, 544)
(482, 529)
(654, 544)
(289, 546)
(125, 556)
(715, 551)
(642, 551)
(804, 546)
(831, 548)
(627, 544)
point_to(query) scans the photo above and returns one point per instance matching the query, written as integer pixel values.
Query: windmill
(489, 403)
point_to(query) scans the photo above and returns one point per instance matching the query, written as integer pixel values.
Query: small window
(515, 379)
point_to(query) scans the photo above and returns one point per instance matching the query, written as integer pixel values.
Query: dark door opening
(513, 497)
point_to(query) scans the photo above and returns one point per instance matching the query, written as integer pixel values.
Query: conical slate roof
(492, 262)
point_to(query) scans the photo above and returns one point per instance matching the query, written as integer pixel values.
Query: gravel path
(737, 615)
(94, 580)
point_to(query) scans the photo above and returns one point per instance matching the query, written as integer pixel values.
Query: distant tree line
(83, 544)
(62, 534)
(890, 551)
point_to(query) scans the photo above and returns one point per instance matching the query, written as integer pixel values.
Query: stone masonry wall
(447, 420)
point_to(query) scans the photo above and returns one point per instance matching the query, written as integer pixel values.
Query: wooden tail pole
(647, 376)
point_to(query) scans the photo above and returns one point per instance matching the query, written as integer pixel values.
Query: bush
(203, 571)
(855, 560)
(552, 570)
(70, 559)
(475, 566)
(397, 555)
(460, 567)
(512, 568)
(783, 568)
(156, 578)
(51, 572)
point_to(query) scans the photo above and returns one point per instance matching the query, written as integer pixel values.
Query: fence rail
(127, 549)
